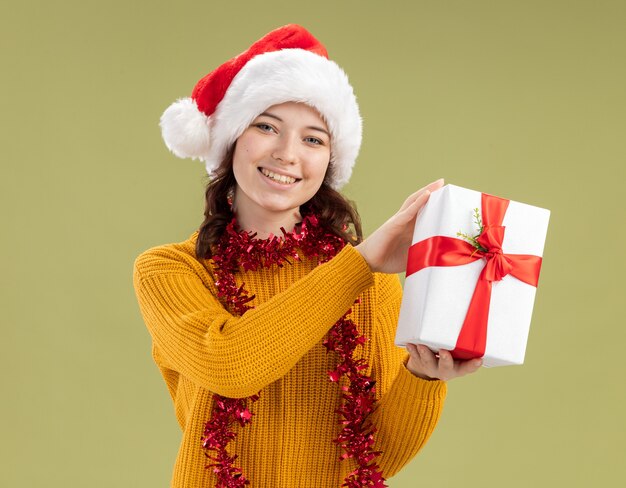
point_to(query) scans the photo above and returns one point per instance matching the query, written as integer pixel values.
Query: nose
(286, 149)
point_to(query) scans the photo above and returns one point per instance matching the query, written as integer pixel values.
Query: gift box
(472, 274)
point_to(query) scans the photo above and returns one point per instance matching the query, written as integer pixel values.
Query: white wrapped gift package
(469, 289)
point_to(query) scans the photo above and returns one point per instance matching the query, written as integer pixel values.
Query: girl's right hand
(426, 365)
(386, 250)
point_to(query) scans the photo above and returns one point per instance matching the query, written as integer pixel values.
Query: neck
(265, 223)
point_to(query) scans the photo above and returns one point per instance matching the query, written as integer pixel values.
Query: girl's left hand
(424, 364)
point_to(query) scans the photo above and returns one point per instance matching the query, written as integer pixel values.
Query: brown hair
(333, 210)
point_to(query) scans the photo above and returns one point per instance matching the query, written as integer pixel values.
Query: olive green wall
(523, 99)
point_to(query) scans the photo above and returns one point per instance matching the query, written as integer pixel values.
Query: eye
(265, 127)
(314, 140)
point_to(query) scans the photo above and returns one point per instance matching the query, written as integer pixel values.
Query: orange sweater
(276, 349)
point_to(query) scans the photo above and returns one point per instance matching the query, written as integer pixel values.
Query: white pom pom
(185, 129)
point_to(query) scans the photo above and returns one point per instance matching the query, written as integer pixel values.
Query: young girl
(273, 324)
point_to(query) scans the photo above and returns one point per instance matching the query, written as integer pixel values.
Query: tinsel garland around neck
(238, 249)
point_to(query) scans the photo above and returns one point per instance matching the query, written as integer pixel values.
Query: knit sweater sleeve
(409, 407)
(234, 356)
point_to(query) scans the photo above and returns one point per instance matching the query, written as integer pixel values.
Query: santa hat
(286, 65)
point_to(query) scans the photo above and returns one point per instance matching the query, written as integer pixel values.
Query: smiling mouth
(285, 180)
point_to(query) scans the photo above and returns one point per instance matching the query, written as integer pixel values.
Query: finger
(435, 185)
(411, 198)
(469, 366)
(412, 348)
(414, 362)
(427, 358)
(411, 211)
(446, 364)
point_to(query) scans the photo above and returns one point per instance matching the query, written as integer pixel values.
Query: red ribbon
(449, 251)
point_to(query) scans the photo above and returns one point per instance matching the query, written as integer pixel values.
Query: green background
(522, 99)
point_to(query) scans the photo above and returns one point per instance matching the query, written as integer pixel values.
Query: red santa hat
(286, 65)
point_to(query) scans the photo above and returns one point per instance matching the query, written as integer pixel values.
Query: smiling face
(279, 162)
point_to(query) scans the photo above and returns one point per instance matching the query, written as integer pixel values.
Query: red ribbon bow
(449, 251)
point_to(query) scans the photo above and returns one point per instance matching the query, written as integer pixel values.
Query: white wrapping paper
(436, 299)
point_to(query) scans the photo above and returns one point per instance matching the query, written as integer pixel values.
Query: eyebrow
(313, 127)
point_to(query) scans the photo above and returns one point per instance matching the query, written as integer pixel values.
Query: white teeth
(276, 177)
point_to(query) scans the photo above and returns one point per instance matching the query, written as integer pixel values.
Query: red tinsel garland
(237, 248)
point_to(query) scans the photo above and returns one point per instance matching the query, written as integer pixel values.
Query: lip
(278, 172)
(276, 184)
